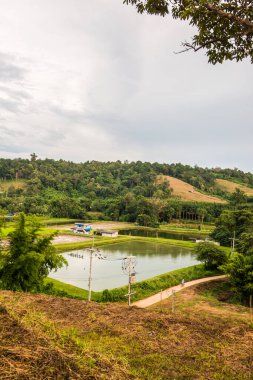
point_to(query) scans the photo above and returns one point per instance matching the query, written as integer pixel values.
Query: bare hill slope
(230, 187)
(187, 192)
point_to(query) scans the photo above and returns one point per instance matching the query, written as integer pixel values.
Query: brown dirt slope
(230, 187)
(187, 192)
(45, 337)
(5, 185)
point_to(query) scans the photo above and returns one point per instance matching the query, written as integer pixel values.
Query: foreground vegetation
(43, 337)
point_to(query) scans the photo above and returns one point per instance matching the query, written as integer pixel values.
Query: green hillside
(119, 191)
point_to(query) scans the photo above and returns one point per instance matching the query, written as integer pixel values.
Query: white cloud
(87, 80)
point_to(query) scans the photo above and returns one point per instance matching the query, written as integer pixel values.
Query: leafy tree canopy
(224, 27)
(210, 254)
(240, 271)
(232, 222)
(238, 198)
(240, 267)
(29, 257)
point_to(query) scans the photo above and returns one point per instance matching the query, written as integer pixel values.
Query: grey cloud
(18, 95)
(10, 71)
(9, 105)
(9, 131)
(102, 82)
(12, 149)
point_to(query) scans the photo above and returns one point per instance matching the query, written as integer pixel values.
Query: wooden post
(173, 301)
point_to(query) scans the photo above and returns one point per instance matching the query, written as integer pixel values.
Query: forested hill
(119, 190)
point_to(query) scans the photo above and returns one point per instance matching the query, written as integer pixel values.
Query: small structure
(108, 233)
(196, 240)
(82, 228)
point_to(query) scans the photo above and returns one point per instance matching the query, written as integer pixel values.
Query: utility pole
(91, 250)
(97, 254)
(128, 267)
(233, 239)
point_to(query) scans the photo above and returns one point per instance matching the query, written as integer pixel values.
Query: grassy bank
(101, 241)
(142, 289)
(61, 288)
(154, 285)
(173, 228)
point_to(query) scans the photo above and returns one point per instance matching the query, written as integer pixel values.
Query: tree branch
(244, 22)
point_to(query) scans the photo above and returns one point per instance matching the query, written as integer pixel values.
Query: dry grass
(186, 191)
(230, 187)
(25, 355)
(5, 185)
(80, 340)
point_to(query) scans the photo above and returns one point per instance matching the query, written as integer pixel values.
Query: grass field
(230, 187)
(187, 192)
(180, 228)
(45, 337)
(100, 241)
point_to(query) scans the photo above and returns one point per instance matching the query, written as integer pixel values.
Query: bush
(211, 255)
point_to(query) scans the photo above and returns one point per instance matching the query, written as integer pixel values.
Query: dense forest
(125, 191)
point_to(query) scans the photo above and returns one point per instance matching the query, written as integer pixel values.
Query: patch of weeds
(3, 310)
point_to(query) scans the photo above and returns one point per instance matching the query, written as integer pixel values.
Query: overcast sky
(93, 80)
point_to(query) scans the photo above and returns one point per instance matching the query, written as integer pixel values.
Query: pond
(152, 260)
(162, 234)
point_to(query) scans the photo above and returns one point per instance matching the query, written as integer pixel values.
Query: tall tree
(232, 223)
(240, 271)
(29, 258)
(224, 28)
(238, 198)
(201, 215)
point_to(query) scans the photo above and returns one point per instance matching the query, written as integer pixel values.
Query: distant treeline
(118, 190)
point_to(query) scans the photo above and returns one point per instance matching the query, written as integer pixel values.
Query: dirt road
(168, 292)
(94, 226)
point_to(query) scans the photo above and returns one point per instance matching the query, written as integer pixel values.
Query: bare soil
(187, 192)
(61, 239)
(95, 226)
(230, 187)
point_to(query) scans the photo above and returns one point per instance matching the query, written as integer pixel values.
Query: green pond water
(153, 259)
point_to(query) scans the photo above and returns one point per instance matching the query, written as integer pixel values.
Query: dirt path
(94, 226)
(61, 239)
(168, 292)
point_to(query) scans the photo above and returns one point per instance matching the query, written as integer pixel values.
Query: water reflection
(161, 234)
(152, 259)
